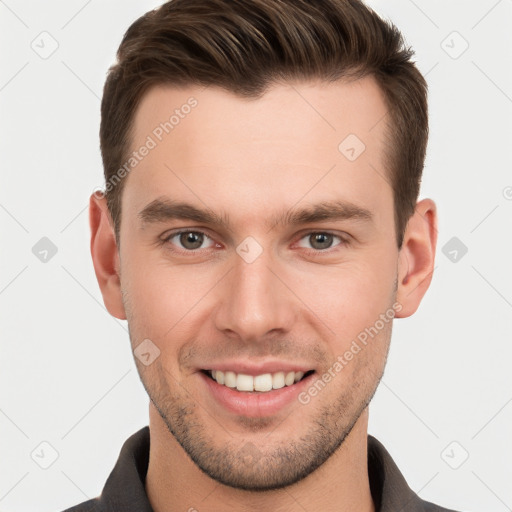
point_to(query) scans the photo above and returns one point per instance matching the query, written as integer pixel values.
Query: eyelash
(343, 242)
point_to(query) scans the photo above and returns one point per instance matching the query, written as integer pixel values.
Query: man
(260, 231)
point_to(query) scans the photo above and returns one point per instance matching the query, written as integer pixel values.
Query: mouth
(255, 390)
(263, 383)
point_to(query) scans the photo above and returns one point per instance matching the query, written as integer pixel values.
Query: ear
(105, 255)
(416, 257)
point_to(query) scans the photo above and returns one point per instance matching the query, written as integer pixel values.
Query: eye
(190, 240)
(320, 241)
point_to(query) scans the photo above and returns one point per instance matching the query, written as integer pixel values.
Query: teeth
(244, 382)
(298, 376)
(229, 379)
(262, 383)
(278, 380)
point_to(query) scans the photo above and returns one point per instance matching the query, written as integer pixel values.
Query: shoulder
(86, 506)
(426, 506)
(389, 488)
(124, 489)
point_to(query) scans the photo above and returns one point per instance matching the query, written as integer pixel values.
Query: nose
(254, 301)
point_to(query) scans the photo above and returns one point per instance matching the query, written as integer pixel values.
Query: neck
(174, 483)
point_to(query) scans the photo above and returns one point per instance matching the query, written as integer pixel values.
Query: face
(258, 241)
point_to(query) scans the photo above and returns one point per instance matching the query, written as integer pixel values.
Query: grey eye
(191, 240)
(321, 240)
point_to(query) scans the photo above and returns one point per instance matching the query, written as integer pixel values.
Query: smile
(261, 383)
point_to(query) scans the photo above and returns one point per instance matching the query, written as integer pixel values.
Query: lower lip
(255, 404)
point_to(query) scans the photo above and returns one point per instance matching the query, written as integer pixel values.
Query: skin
(251, 160)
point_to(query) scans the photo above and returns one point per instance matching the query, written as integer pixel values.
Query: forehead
(299, 141)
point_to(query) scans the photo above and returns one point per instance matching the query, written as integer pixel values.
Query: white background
(67, 374)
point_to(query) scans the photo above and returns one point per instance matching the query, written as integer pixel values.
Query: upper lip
(252, 368)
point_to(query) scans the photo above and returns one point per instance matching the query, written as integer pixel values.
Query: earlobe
(417, 257)
(105, 255)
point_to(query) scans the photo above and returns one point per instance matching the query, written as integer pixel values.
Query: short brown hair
(246, 45)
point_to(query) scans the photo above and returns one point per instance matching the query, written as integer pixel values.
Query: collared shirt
(124, 490)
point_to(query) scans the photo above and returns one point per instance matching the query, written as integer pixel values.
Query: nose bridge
(253, 302)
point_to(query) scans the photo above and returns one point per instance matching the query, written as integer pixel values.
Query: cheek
(163, 298)
(349, 298)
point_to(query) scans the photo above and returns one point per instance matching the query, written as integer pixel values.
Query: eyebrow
(165, 209)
